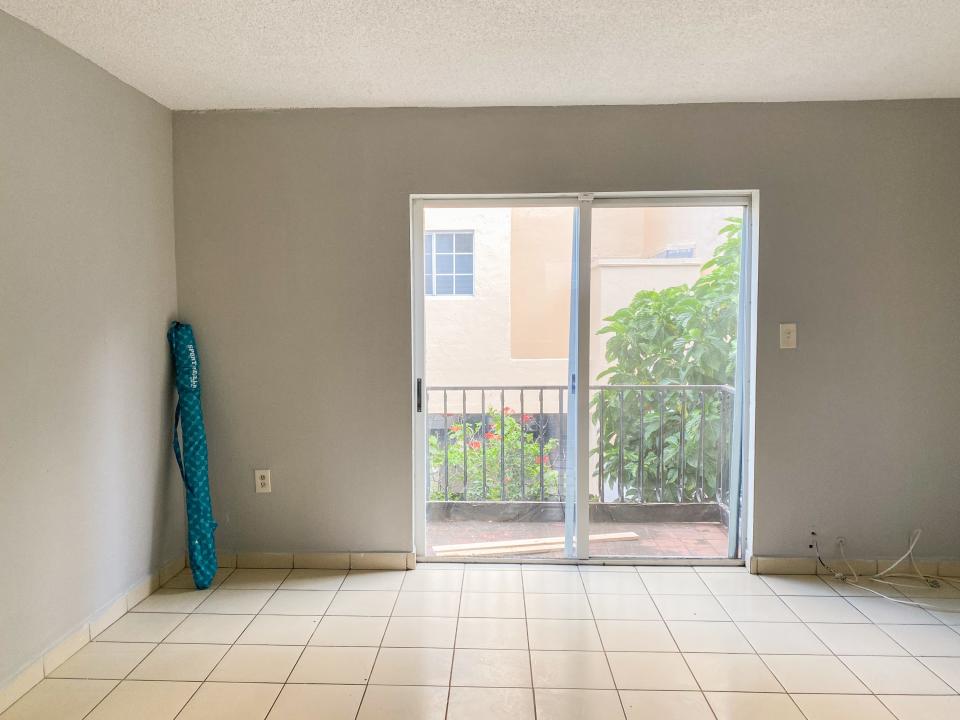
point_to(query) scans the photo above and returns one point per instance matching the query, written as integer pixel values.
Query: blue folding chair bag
(193, 458)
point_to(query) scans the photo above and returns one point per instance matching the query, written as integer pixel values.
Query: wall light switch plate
(262, 480)
(788, 336)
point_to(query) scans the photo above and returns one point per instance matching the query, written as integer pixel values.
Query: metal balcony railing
(649, 443)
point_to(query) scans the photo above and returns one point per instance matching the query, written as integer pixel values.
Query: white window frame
(747, 348)
(433, 263)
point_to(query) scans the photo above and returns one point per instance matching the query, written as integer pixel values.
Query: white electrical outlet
(788, 336)
(262, 480)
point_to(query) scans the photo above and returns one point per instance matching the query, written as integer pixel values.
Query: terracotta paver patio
(652, 539)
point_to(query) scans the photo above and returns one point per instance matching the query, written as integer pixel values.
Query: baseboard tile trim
(108, 616)
(224, 559)
(861, 567)
(378, 561)
(322, 560)
(264, 560)
(783, 565)
(22, 683)
(328, 560)
(142, 590)
(171, 569)
(770, 565)
(55, 655)
(949, 568)
(927, 567)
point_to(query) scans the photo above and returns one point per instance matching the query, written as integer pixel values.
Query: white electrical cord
(920, 580)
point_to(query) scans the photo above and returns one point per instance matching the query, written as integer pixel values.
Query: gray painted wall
(293, 263)
(87, 284)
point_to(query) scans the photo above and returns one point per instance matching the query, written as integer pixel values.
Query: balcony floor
(654, 539)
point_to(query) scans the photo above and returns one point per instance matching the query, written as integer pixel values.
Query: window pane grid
(448, 262)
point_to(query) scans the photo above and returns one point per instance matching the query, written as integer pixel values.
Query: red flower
(508, 411)
(455, 428)
(474, 444)
(491, 436)
(527, 418)
(542, 460)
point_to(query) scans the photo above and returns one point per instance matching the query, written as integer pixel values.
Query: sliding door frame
(742, 445)
(418, 386)
(579, 382)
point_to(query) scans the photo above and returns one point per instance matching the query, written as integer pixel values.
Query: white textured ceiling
(203, 54)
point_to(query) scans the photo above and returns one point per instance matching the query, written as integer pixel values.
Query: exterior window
(676, 252)
(448, 262)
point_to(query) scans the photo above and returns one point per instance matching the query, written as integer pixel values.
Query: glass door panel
(579, 377)
(496, 368)
(664, 299)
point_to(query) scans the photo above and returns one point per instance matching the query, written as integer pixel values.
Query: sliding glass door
(579, 375)
(498, 473)
(663, 328)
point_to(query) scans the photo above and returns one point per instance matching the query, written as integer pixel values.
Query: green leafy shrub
(684, 335)
(479, 443)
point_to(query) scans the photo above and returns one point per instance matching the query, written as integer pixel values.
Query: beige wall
(293, 262)
(664, 227)
(87, 287)
(613, 286)
(624, 243)
(515, 329)
(469, 337)
(541, 243)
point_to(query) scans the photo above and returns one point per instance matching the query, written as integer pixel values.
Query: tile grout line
(603, 649)
(303, 650)
(253, 620)
(155, 646)
(234, 643)
(839, 658)
(526, 628)
(376, 657)
(936, 674)
(936, 622)
(758, 655)
(683, 657)
(876, 625)
(456, 629)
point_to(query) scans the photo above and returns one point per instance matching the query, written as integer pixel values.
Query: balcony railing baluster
(601, 445)
(660, 477)
(682, 454)
(562, 430)
(718, 489)
(446, 451)
(483, 439)
(701, 479)
(620, 445)
(463, 427)
(674, 409)
(641, 452)
(540, 460)
(523, 432)
(503, 454)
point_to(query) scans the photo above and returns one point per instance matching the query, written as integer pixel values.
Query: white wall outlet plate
(788, 336)
(262, 480)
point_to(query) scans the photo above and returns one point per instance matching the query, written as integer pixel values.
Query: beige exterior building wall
(514, 329)
(468, 338)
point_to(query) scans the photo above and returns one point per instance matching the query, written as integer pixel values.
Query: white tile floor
(501, 642)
